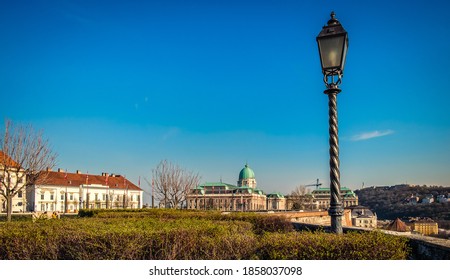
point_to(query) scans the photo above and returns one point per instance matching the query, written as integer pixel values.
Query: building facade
(424, 226)
(321, 198)
(245, 196)
(227, 197)
(276, 201)
(68, 192)
(362, 216)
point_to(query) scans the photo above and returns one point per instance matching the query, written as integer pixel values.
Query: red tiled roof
(7, 160)
(397, 225)
(62, 178)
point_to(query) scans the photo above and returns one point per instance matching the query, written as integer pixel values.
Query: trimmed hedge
(185, 235)
(373, 245)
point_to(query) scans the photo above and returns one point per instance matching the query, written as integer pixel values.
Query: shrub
(373, 245)
(159, 234)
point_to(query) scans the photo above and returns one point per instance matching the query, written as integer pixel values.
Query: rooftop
(61, 178)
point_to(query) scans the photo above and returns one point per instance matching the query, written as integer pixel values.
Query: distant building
(428, 199)
(322, 197)
(227, 197)
(69, 192)
(412, 200)
(424, 226)
(362, 216)
(276, 201)
(442, 199)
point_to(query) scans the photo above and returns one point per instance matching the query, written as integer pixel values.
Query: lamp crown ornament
(333, 20)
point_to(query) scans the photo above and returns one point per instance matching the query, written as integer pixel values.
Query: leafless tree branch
(172, 183)
(24, 159)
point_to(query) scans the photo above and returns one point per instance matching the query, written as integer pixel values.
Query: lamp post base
(336, 212)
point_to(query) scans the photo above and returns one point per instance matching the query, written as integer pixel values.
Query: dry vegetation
(185, 235)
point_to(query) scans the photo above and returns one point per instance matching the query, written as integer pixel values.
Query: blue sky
(118, 86)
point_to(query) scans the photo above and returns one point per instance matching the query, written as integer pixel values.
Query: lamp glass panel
(344, 54)
(331, 51)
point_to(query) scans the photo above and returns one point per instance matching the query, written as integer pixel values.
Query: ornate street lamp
(333, 44)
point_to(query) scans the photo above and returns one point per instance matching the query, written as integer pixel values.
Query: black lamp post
(333, 44)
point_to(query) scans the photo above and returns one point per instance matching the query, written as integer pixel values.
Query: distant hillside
(396, 201)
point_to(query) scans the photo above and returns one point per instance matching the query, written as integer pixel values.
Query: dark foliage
(392, 202)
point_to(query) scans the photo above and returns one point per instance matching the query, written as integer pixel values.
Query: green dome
(246, 173)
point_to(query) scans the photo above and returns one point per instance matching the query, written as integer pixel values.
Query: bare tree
(25, 157)
(172, 183)
(300, 197)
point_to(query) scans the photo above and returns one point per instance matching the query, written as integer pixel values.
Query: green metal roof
(343, 189)
(275, 195)
(245, 189)
(258, 191)
(246, 173)
(217, 184)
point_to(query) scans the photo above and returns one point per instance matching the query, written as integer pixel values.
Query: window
(19, 203)
(42, 207)
(62, 197)
(42, 196)
(52, 197)
(19, 194)
(71, 196)
(104, 196)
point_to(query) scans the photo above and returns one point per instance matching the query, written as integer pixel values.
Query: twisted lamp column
(336, 210)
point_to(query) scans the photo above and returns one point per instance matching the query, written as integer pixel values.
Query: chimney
(60, 170)
(49, 169)
(78, 172)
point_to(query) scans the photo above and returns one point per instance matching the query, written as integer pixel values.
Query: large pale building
(322, 197)
(424, 226)
(68, 192)
(227, 197)
(247, 197)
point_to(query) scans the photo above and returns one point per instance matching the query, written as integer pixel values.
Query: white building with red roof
(68, 192)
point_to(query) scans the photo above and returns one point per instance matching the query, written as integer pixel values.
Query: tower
(247, 178)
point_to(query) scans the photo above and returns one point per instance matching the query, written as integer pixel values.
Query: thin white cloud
(371, 134)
